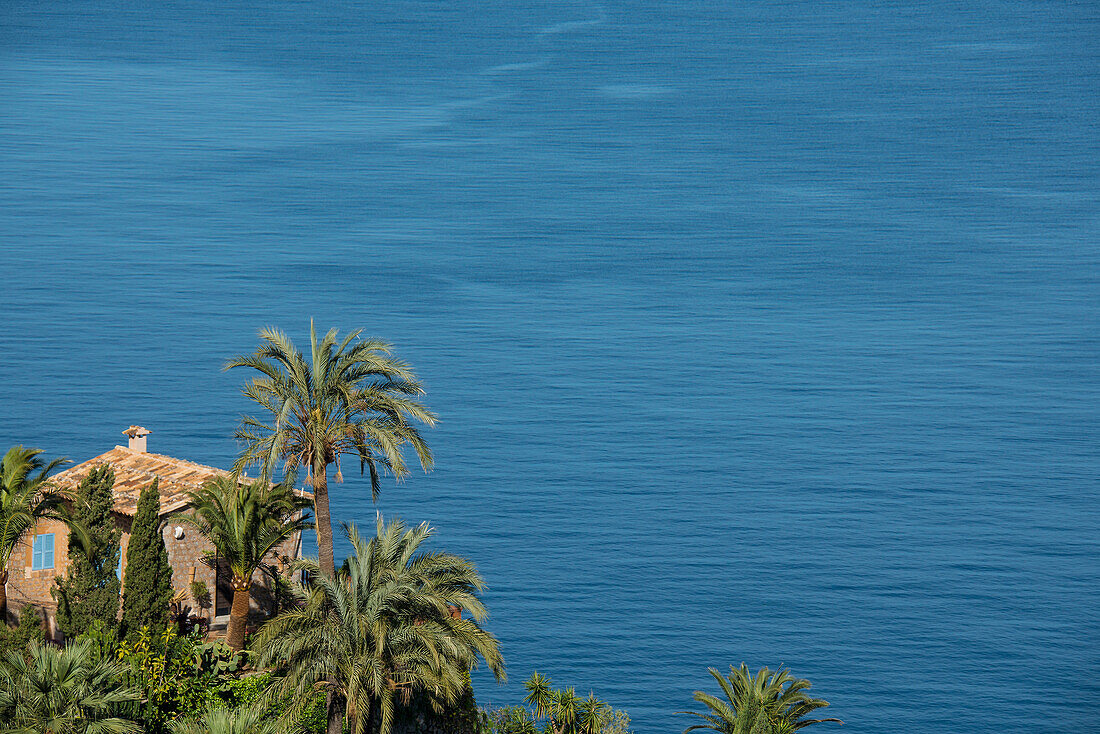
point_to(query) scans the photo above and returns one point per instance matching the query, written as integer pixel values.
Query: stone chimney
(137, 436)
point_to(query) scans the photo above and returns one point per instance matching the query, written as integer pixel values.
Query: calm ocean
(760, 331)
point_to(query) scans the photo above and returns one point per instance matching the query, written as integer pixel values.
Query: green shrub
(28, 630)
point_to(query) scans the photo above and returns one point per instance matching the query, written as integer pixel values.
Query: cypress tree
(147, 592)
(90, 589)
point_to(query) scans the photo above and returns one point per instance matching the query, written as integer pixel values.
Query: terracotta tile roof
(135, 470)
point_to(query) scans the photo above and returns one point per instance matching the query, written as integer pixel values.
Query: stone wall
(26, 586)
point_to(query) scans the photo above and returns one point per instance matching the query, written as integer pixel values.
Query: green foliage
(619, 723)
(421, 713)
(350, 398)
(180, 675)
(147, 590)
(512, 720)
(201, 594)
(25, 497)
(381, 630)
(163, 667)
(769, 702)
(90, 590)
(69, 690)
(558, 711)
(28, 630)
(218, 659)
(218, 719)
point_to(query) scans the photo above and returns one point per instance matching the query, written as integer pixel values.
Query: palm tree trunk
(238, 614)
(4, 596)
(325, 556)
(335, 715)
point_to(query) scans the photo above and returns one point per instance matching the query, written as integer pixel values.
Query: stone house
(44, 554)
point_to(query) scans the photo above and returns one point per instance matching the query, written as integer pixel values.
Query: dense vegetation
(382, 644)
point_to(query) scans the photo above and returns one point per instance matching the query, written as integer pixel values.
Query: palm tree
(592, 715)
(244, 522)
(24, 500)
(63, 691)
(540, 694)
(350, 398)
(769, 702)
(218, 719)
(380, 630)
(563, 711)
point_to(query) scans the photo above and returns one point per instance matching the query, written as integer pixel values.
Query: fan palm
(769, 702)
(63, 691)
(25, 498)
(381, 629)
(217, 719)
(244, 522)
(350, 398)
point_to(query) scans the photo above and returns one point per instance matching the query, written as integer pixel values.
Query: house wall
(26, 586)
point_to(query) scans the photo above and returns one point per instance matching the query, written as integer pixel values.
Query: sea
(759, 332)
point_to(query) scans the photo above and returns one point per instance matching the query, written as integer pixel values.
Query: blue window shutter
(42, 552)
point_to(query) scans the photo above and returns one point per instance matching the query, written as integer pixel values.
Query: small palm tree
(217, 719)
(769, 702)
(63, 691)
(244, 522)
(351, 398)
(564, 711)
(381, 630)
(540, 694)
(25, 498)
(592, 715)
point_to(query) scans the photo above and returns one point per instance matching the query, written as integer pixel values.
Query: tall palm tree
(63, 691)
(244, 522)
(217, 719)
(381, 629)
(349, 398)
(769, 702)
(25, 498)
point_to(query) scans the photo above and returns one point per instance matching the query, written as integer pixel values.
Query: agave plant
(769, 702)
(63, 691)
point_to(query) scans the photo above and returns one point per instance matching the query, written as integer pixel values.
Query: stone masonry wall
(26, 586)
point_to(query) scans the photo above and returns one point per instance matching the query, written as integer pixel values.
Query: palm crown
(382, 629)
(350, 397)
(769, 702)
(244, 522)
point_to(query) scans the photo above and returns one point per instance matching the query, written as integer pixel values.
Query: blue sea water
(759, 331)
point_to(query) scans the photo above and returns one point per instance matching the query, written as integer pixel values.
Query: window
(42, 552)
